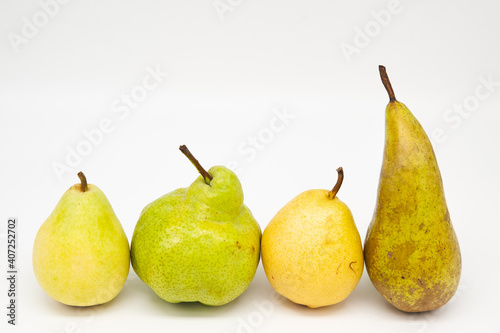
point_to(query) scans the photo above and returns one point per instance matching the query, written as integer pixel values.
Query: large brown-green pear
(411, 249)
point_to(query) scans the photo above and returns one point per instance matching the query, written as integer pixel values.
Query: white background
(229, 73)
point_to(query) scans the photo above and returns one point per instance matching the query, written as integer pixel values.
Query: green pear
(198, 244)
(411, 250)
(81, 254)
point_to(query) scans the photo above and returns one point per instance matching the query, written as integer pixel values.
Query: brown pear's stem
(336, 188)
(387, 83)
(197, 164)
(83, 186)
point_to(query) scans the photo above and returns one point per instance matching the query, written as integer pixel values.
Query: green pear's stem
(387, 83)
(336, 188)
(83, 186)
(197, 164)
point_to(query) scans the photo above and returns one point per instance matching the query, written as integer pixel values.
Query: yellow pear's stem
(197, 164)
(387, 83)
(336, 188)
(83, 180)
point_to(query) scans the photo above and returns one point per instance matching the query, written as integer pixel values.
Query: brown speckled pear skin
(411, 250)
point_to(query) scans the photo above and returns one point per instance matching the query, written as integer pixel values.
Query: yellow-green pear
(81, 254)
(200, 243)
(311, 249)
(411, 250)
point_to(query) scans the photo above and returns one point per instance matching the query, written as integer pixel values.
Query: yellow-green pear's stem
(387, 83)
(336, 188)
(197, 164)
(83, 186)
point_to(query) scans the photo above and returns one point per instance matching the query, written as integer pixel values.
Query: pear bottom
(416, 266)
(410, 282)
(80, 279)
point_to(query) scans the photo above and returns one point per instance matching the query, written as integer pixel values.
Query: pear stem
(83, 180)
(337, 186)
(387, 83)
(197, 164)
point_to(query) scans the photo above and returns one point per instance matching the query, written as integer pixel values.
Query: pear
(311, 249)
(81, 254)
(198, 244)
(411, 249)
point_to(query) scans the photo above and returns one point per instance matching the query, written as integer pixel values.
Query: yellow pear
(81, 254)
(311, 250)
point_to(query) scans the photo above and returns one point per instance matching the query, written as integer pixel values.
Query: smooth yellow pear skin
(411, 250)
(311, 250)
(81, 254)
